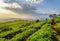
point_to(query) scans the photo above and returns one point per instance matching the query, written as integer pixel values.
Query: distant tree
(46, 19)
(59, 15)
(50, 16)
(53, 16)
(37, 20)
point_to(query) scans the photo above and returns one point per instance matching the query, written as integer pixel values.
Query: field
(24, 30)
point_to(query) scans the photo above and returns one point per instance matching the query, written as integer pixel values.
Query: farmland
(24, 30)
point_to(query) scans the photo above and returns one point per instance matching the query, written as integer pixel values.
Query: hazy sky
(32, 8)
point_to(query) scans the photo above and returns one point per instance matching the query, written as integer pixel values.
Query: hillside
(23, 30)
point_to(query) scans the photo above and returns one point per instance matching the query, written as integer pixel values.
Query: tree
(59, 15)
(37, 20)
(53, 16)
(50, 16)
(46, 19)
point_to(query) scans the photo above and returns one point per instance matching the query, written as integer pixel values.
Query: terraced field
(29, 31)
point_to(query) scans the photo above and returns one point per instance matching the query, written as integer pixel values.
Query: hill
(24, 30)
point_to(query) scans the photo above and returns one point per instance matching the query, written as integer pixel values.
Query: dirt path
(57, 35)
(54, 27)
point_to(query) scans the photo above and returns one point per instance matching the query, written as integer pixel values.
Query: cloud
(15, 5)
(2, 4)
(46, 11)
(18, 11)
(28, 9)
(10, 14)
(25, 7)
(34, 1)
(26, 4)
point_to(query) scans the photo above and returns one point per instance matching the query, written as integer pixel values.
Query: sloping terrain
(23, 30)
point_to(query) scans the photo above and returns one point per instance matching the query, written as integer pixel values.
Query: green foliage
(37, 20)
(23, 35)
(2, 39)
(28, 30)
(44, 34)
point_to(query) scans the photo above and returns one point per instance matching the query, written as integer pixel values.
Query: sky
(29, 9)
